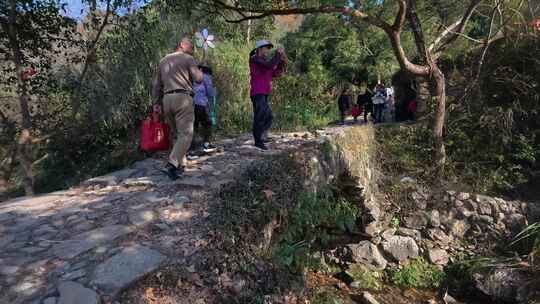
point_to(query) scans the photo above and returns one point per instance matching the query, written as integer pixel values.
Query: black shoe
(261, 146)
(172, 172)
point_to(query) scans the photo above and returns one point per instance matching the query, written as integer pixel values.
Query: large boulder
(400, 248)
(504, 284)
(368, 254)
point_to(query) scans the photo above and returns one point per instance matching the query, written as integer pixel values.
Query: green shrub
(307, 224)
(326, 297)
(417, 274)
(365, 277)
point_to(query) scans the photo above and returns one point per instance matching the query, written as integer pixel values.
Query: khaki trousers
(178, 110)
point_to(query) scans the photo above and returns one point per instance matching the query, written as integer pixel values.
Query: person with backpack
(262, 70)
(379, 100)
(204, 94)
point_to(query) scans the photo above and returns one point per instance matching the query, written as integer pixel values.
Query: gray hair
(185, 40)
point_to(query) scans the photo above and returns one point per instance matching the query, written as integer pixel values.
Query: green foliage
(395, 222)
(527, 241)
(417, 274)
(346, 54)
(366, 278)
(245, 205)
(231, 77)
(306, 226)
(493, 139)
(326, 297)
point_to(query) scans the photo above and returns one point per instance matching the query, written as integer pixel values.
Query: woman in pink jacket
(262, 71)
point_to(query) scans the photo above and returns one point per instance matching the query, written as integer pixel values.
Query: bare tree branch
(453, 31)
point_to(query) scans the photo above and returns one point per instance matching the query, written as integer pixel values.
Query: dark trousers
(203, 122)
(378, 112)
(368, 108)
(262, 116)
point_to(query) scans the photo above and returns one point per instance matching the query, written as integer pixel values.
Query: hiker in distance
(173, 84)
(262, 70)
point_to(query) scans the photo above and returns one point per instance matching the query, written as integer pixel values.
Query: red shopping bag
(155, 134)
(356, 111)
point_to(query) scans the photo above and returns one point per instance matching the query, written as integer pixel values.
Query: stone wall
(348, 156)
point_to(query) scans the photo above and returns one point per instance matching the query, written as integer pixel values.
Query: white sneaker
(191, 156)
(208, 147)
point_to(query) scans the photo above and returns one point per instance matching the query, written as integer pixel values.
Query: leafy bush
(326, 297)
(417, 274)
(307, 224)
(365, 277)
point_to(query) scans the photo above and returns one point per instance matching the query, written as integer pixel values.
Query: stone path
(88, 243)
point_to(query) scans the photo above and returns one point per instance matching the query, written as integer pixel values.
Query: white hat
(262, 43)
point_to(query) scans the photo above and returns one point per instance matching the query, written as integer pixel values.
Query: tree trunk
(423, 96)
(24, 142)
(439, 90)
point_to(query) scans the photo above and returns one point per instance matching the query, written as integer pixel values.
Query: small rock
(367, 298)
(462, 196)
(406, 180)
(415, 234)
(388, 233)
(464, 213)
(434, 218)
(484, 208)
(438, 256)
(471, 205)
(372, 229)
(75, 293)
(368, 254)
(181, 199)
(486, 219)
(416, 221)
(401, 248)
(458, 228)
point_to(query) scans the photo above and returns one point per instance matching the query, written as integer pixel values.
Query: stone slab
(88, 240)
(126, 267)
(75, 293)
